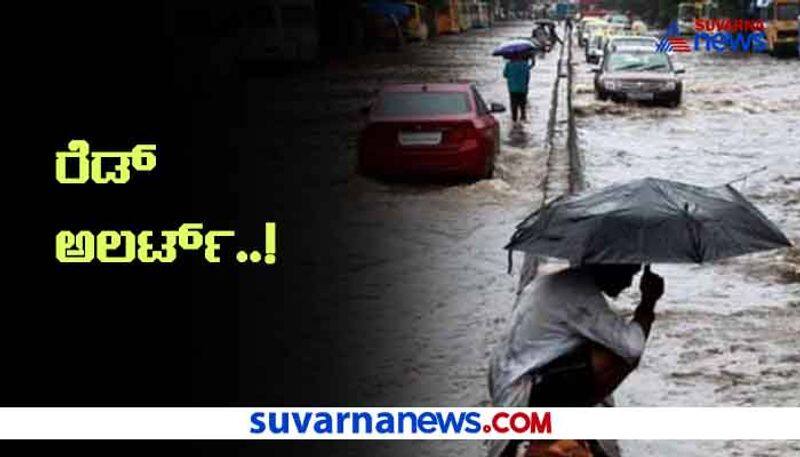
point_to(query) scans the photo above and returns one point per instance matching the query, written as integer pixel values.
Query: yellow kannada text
(110, 246)
(141, 158)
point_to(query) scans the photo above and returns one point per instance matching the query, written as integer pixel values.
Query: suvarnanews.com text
(399, 423)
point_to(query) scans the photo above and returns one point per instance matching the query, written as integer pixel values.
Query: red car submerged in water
(425, 129)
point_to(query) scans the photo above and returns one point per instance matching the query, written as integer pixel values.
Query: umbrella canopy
(648, 221)
(519, 46)
(398, 10)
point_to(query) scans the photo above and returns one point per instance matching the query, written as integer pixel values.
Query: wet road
(726, 334)
(417, 271)
(417, 274)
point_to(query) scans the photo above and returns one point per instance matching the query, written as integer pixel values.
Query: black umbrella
(648, 221)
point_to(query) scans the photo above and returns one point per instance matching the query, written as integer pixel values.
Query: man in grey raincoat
(565, 346)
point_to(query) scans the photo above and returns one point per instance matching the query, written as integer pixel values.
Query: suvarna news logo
(718, 35)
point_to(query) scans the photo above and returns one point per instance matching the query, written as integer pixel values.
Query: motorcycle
(543, 39)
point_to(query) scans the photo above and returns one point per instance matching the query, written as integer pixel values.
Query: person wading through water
(518, 74)
(567, 348)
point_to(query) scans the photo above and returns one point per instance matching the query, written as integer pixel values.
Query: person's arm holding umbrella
(616, 344)
(608, 368)
(651, 287)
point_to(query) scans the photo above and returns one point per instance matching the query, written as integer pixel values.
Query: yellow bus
(781, 23)
(448, 18)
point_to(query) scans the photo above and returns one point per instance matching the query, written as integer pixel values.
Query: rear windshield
(422, 104)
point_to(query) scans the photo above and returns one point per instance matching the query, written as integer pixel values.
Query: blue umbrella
(519, 46)
(398, 10)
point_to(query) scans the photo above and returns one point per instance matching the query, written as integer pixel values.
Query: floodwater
(418, 272)
(726, 334)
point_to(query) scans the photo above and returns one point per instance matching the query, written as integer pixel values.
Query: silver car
(639, 74)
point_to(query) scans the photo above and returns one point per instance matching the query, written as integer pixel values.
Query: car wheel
(675, 101)
(488, 168)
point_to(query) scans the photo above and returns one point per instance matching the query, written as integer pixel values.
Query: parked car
(639, 27)
(590, 30)
(584, 27)
(619, 19)
(442, 129)
(639, 74)
(598, 40)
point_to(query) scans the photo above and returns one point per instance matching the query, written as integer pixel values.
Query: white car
(590, 30)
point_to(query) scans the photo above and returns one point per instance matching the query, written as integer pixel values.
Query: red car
(442, 129)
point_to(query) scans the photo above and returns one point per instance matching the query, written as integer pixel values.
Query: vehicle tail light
(462, 133)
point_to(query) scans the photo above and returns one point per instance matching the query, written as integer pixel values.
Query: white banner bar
(400, 423)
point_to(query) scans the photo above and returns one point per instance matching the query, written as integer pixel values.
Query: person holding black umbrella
(577, 350)
(564, 345)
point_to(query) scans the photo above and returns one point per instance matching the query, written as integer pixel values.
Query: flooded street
(427, 276)
(421, 265)
(726, 334)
